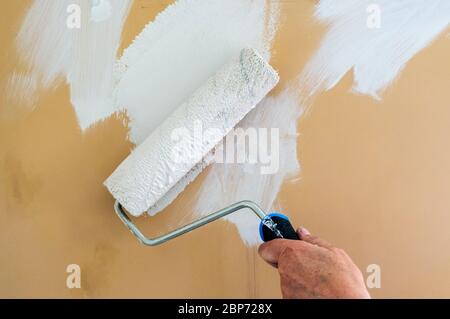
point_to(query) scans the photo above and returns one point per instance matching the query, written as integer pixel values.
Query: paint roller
(172, 156)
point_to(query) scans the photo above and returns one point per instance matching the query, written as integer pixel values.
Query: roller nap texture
(173, 155)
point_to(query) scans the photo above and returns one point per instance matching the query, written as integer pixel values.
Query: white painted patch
(101, 10)
(84, 57)
(375, 39)
(21, 88)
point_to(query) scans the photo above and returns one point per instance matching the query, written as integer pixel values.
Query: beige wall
(375, 181)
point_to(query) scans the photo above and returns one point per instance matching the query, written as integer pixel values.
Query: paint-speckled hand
(312, 268)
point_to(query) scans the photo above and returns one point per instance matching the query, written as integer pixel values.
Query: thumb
(270, 251)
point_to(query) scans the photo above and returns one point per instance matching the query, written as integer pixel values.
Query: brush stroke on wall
(376, 51)
(84, 57)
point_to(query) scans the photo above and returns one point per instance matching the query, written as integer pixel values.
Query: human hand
(312, 268)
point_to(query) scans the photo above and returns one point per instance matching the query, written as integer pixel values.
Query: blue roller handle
(283, 225)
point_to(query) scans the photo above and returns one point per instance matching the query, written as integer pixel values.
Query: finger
(270, 251)
(314, 240)
(306, 236)
(302, 232)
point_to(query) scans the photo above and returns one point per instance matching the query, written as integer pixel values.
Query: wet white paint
(101, 10)
(84, 57)
(188, 42)
(185, 45)
(374, 39)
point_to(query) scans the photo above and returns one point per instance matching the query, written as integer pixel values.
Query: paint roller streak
(101, 10)
(377, 50)
(84, 53)
(226, 183)
(156, 165)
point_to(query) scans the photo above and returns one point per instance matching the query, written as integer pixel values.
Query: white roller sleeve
(153, 168)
